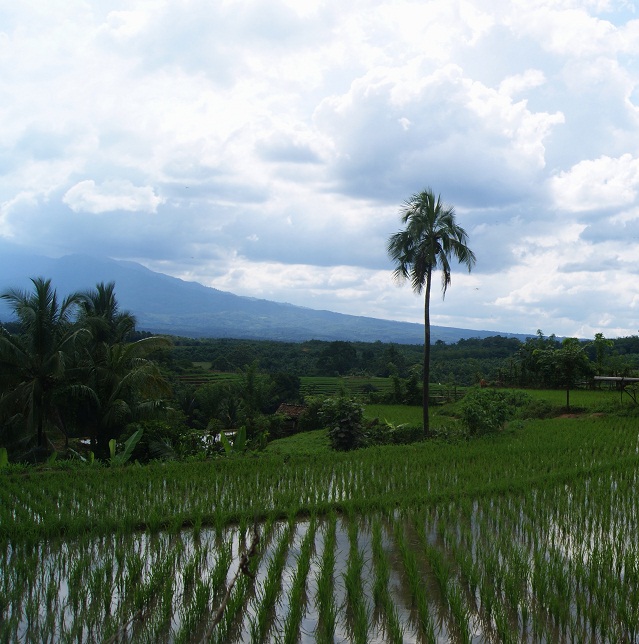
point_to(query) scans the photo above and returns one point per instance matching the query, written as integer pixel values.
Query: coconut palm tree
(101, 314)
(121, 384)
(429, 241)
(33, 362)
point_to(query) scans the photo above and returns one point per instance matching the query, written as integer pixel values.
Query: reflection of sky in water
(69, 584)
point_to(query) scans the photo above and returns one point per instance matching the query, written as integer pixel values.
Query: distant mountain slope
(164, 304)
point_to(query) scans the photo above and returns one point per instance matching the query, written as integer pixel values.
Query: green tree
(33, 363)
(121, 384)
(429, 241)
(117, 381)
(101, 314)
(569, 363)
(601, 346)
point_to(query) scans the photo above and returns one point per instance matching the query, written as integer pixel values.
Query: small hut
(291, 414)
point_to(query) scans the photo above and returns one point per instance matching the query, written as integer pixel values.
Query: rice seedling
(324, 598)
(296, 599)
(381, 592)
(415, 582)
(356, 606)
(269, 592)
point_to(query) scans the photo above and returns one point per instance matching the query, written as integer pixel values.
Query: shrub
(484, 411)
(385, 433)
(537, 409)
(344, 419)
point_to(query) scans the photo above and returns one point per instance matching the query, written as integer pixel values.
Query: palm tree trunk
(426, 370)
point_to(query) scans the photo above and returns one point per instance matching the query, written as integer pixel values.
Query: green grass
(352, 385)
(583, 399)
(304, 443)
(395, 414)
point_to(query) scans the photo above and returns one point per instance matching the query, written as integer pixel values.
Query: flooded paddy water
(529, 540)
(507, 568)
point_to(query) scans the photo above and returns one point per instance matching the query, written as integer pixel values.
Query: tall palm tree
(101, 314)
(33, 362)
(428, 243)
(119, 381)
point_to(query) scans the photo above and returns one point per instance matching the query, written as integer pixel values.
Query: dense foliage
(78, 369)
(497, 359)
(72, 369)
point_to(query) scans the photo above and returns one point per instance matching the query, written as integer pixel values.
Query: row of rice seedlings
(384, 604)
(229, 613)
(297, 598)
(356, 608)
(324, 596)
(267, 594)
(415, 580)
(202, 586)
(455, 603)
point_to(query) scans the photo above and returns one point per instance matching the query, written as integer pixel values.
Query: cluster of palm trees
(70, 369)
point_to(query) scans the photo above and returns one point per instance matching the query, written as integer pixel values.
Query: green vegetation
(515, 522)
(72, 370)
(526, 534)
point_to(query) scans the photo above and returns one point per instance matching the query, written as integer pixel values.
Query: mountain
(167, 305)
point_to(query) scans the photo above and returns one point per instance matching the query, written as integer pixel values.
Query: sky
(265, 147)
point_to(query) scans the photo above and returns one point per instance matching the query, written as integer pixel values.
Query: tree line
(497, 359)
(72, 367)
(77, 367)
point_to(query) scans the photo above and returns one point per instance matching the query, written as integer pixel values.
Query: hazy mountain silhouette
(164, 304)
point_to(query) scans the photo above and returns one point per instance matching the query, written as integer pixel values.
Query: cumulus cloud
(470, 138)
(109, 196)
(274, 142)
(597, 184)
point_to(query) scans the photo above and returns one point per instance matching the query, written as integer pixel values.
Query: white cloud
(274, 141)
(521, 82)
(109, 196)
(455, 124)
(597, 184)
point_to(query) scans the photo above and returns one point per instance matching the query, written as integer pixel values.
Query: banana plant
(124, 456)
(238, 445)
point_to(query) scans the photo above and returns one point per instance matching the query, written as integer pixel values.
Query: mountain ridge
(169, 305)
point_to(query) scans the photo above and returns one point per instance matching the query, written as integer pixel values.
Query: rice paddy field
(527, 536)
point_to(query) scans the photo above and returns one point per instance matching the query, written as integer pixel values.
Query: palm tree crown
(429, 241)
(102, 315)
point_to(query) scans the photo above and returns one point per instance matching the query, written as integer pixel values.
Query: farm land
(528, 534)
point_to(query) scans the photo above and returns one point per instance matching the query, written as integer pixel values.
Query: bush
(168, 439)
(485, 411)
(378, 433)
(537, 409)
(343, 417)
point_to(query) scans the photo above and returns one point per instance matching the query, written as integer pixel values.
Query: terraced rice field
(528, 536)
